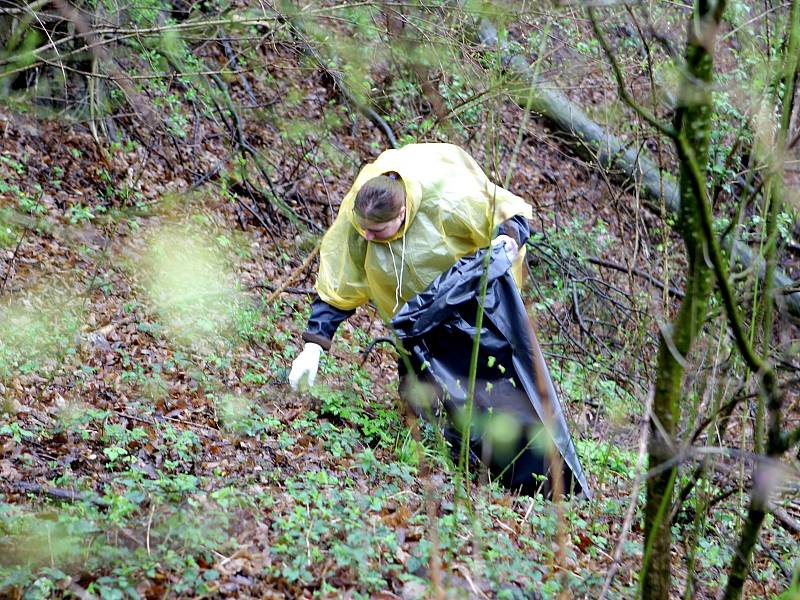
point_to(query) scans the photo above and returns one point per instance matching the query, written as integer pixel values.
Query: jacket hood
(391, 160)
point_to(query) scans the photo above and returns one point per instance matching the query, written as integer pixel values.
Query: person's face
(378, 232)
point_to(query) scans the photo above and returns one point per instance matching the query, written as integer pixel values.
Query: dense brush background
(166, 172)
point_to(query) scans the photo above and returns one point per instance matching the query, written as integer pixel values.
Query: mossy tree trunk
(693, 124)
(777, 444)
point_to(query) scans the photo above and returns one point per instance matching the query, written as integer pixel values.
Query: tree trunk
(763, 480)
(693, 123)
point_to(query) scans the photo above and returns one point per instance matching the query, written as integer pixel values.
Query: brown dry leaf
(402, 556)
(384, 595)
(398, 517)
(584, 541)
(415, 534)
(8, 472)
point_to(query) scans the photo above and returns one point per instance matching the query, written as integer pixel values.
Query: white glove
(510, 245)
(304, 367)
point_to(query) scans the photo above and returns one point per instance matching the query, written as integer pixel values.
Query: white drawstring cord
(402, 266)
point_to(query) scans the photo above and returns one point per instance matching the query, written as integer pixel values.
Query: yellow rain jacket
(449, 202)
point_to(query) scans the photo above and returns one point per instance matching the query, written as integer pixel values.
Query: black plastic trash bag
(517, 419)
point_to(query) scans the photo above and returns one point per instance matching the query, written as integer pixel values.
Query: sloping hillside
(158, 230)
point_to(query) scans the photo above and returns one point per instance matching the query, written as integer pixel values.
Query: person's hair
(381, 198)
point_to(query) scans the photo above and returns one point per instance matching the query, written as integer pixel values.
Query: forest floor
(150, 444)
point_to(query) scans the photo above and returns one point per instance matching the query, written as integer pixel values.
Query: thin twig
(293, 275)
(286, 290)
(674, 292)
(10, 262)
(149, 524)
(634, 497)
(662, 127)
(339, 82)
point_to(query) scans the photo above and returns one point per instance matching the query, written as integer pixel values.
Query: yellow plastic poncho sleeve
(452, 209)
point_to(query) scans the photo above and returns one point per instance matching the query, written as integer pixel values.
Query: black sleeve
(516, 227)
(323, 323)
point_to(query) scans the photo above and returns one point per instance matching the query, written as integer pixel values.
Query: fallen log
(619, 158)
(57, 493)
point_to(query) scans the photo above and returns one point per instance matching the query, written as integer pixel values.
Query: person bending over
(409, 216)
